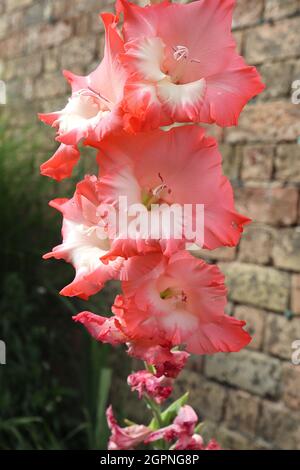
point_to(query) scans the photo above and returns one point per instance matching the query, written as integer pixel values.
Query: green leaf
(168, 416)
(199, 428)
(101, 431)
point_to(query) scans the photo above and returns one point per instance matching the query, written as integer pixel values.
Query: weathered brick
(287, 163)
(247, 12)
(291, 386)
(3, 26)
(277, 78)
(206, 397)
(261, 444)
(276, 9)
(16, 21)
(79, 51)
(13, 46)
(15, 67)
(273, 41)
(56, 34)
(257, 162)
(32, 39)
(259, 286)
(209, 430)
(242, 411)
(274, 121)
(231, 440)
(231, 161)
(278, 424)
(280, 333)
(239, 39)
(50, 85)
(34, 14)
(51, 60)
(28, 89)
(13, 4)
(248, 370)
(196, 363)
(255, 323)
(82, 24)
(256, 244)
(220, 254)
(295, 296)
(91, 5)
(286, 249)
(96, 24)
(268, 205)
(58, 9)
(296, 70)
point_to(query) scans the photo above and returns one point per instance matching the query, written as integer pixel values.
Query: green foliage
(168, 416)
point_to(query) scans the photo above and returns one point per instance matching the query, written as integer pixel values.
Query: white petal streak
(182, 99)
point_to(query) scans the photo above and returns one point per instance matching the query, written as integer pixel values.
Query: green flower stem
(155, 408)
(156, 411)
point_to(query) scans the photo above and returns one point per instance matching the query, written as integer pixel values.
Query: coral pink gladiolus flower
(124, 438)
(112, 330)
(181, 301)
(85, 241)
(158, 170)
(146, 383)
(93, 109)
(183, 63)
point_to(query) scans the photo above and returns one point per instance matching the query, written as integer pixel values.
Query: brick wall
(250, 399)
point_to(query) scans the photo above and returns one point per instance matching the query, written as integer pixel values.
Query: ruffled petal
(61, 164)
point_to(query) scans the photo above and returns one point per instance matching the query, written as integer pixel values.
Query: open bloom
(124, 438)
(113, 330)
(153, 349)
(85, 241)
(93, 109)
(175, 173)
(146, 383)
(182, 430)
(181, 301)
(183, 62)
(170, 302)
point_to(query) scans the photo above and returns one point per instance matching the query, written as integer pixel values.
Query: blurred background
(57, 382)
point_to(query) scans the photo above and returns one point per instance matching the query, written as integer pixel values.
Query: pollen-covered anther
(180, 52)
(159, 189)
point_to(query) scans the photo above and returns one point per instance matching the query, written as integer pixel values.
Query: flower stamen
(180, 52)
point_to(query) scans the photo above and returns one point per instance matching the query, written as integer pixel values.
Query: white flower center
(84, 107)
